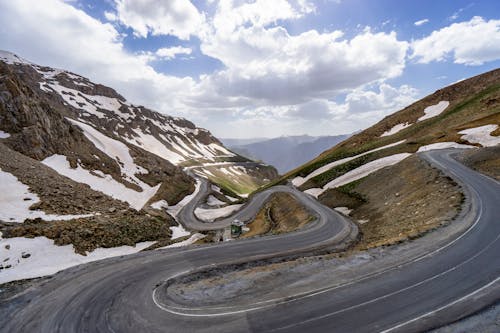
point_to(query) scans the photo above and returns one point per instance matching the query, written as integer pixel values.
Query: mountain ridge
(111, 170)
(287, 152)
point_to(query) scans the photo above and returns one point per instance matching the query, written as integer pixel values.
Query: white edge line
(443, 307)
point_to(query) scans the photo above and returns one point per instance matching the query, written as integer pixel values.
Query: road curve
(100, 296)
(115, 295)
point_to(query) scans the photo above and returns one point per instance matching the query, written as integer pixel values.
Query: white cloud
(286, 82)
(421, 22)
(178, 18)
(172, 52)
(110, 16)
(387, 100)
(362, 108)
(471, 42)
(72, 40)
(270, 65)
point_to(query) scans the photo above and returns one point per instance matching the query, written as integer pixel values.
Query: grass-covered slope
(472, 103)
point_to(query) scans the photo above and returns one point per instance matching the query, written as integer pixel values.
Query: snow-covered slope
(174, 139)
(83, 167)
(126, 151)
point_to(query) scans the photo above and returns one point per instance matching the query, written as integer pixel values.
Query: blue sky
(262, 68)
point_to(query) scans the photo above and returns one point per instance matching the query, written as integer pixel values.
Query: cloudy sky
(261, 68)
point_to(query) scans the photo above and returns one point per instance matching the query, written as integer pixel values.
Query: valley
(123, 205)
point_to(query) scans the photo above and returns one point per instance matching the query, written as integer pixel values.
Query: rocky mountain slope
(286, 152)
(76, 151)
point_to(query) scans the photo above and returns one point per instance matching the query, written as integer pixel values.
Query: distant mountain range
(284, 153)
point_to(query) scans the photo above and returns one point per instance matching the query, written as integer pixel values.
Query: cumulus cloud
(178, 18)
(421, 22)
(285, 81)
(172, 52)
(365, 106)
(72, 40)
(388, 99)
(471, 42)
(269, 64)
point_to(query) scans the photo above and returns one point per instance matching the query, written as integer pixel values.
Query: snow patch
(396, 129)
(46, 258)
(174, 210)
(16, 199)
(106, 184)
(209, 215)
(4, 135)
(11, 58)
(179, 231)
(298, 181)
(160, 204)
(116, 150)
(343, 210)
(434, 110)
(481, 135)
(360, 172)
(194, 238)
(443, 145)
(213, 201)
(153, 145)
(216, 189)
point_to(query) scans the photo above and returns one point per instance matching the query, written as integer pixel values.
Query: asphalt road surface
(124, 294)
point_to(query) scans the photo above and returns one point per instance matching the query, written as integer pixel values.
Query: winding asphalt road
(124, 294)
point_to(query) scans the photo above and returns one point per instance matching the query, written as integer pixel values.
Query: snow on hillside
(434, 110)
(105, 183)
(4, 135)
(481, 135)
(11, 58)
(213, 201)
(101, 182)
(359, 172)
(39, 256)
(116, 150)
(298, 181)
(443, 145)
(16, 199)
(397, 128)
(162, 135)
(218, 190)
(194, 238)
(153, 145)
(209, 215)
(178, 231)
(174, 210)
(176, 149)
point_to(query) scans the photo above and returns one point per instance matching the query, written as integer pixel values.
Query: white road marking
(443, 307)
